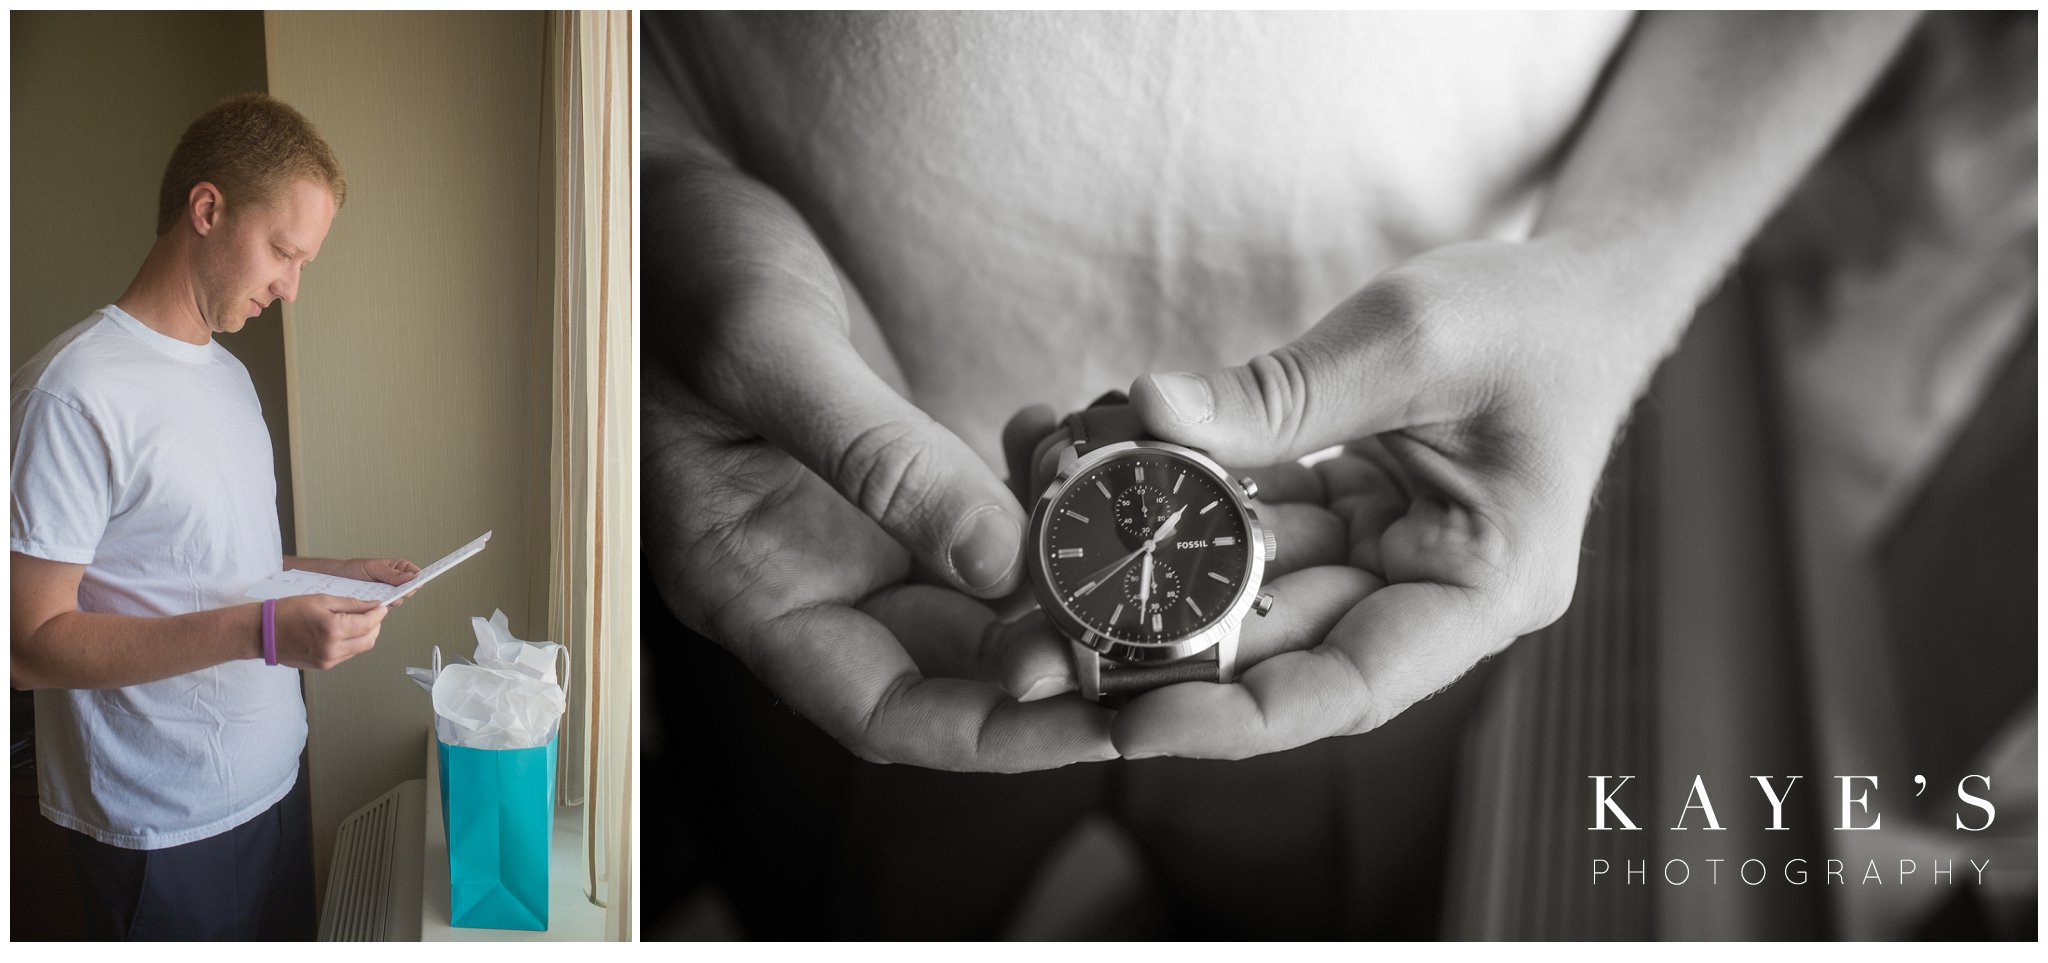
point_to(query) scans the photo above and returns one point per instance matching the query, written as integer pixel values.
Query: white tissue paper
(509, 699)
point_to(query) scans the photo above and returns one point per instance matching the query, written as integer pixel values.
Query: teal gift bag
(498, 808)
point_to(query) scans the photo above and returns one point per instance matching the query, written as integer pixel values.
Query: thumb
(803, 387)
(1349, 377)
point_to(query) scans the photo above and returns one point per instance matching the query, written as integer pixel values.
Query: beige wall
(417, 353)
(98, 101)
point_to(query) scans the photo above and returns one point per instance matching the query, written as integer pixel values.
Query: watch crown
(1251, 488)
(1262, 604)
(1272, 546)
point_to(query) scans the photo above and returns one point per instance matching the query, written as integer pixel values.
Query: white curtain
(589, 124)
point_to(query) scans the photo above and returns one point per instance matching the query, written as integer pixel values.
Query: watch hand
(1088, 584)
(1166, 528)
(1145, 586)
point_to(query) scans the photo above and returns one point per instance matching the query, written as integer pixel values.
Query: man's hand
(390, 571)
(1478, 388)
(791, 488)
(757, 552)
(323, 631)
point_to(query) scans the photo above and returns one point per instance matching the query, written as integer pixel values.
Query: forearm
(91, 650)
(1708, 120)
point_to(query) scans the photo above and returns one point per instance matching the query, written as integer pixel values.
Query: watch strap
(1122, 682)
(1110, 419)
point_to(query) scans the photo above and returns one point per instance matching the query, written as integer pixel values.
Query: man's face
(254, 254)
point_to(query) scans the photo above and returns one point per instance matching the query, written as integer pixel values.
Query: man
(1492, 302)
(1456, 246)
(144, 505)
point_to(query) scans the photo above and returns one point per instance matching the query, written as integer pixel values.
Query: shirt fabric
(1038, 207)
(145, 459)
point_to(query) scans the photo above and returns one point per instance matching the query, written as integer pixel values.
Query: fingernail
(1186, 396)
(985, 548)
(1046, 688)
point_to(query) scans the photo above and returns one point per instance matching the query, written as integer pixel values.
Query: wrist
(246, 629)
(1638, 301)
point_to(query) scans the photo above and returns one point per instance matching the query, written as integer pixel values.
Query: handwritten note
(294, 581)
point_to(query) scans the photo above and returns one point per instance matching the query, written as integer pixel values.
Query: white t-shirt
(145, 458)
(1038, 207)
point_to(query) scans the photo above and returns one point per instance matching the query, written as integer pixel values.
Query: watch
(1145, 554)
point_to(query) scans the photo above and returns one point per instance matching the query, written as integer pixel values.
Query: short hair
(250, 147)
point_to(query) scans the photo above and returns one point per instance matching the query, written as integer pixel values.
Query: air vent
(373, 888)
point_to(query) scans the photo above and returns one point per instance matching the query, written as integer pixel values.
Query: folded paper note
(293, 581)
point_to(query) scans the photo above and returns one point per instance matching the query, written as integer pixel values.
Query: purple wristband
(269, 631)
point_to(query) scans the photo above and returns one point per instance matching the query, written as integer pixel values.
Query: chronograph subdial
(1138, 508)
(1157, 597)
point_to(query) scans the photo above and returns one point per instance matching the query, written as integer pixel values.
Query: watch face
(1146, 548)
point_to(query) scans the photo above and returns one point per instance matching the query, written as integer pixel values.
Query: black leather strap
(1109, 420)
(1122, 682)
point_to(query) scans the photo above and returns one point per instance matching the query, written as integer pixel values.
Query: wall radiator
(373, 888)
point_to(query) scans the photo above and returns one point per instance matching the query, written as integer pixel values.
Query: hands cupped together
(843, 544)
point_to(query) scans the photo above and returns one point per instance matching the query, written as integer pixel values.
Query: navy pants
(253, 882)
